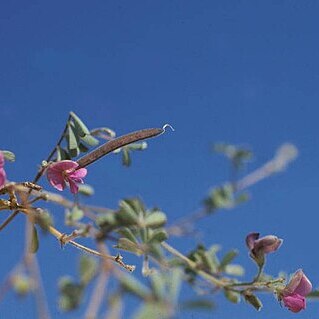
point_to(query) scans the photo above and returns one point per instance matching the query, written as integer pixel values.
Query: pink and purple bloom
(66, 172)
(293, 295)
(258, 247)
(3, 176)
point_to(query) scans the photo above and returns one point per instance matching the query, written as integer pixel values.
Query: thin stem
(117, 259)
(193, 266)
(250, 283)
(9, 219)
(40, 172)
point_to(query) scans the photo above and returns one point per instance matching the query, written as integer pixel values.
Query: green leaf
(134, 286)
(223, 196)
(206, 258)
(86, 189)
(227, 259)
(158, 236)
(153, 310)
(106, 130)
(127, 213)
(175, 284)
(253, 300)
(44, 220)
(211, 253)
(106, 221)
(128, 245)
(127, 233)
(75, 214)
(158, 285)
(137, 146)
(73, 142)
(88, 268)
(79, 125)
(9, 156)
(156, 251)
(234, 270)
(90, 140)
(155, 219)
(62, 154)
(126, 158)
(232, 296)
(237, 155)
(34, 245)
(71, 294)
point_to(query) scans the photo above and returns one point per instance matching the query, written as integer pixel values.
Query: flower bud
(293, 295)
(258, 247)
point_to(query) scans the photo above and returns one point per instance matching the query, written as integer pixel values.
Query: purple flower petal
(299, 284)
(79, 173)
(56, 179)
(1, 160)
(250, 240)
(267, 244)
(73, 187)
(3, 177)
(64, 165)
(294, 302)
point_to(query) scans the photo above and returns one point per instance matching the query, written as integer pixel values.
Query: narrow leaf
(227, 259)
(175, 284)
(90, 140)
(153, 310)
(79, 125)
(253, 300)
(155, 219)
(34, 245)
(9, 156)
(232, 296)
(127, 233)
(158, 285)
(73, 142)
(234, 270)
(88, 268)
(86, 189)
(126, 158)
(158, 236)
(126, 244)
(62, 154)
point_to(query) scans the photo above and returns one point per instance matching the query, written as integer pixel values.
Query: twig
(8, 220)
(42, 169)
(217, 282)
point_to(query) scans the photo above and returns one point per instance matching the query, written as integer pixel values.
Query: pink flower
(293, 296)
(3, 176)
(63, 172)
(258, 247)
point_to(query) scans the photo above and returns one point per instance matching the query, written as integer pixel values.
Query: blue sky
(244, 72)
